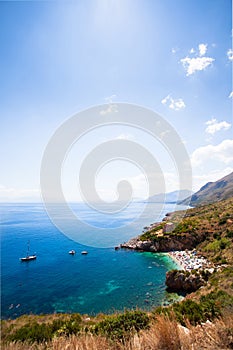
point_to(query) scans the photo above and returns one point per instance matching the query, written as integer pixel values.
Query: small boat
(84, 252)
(72, 252)
(28, 257)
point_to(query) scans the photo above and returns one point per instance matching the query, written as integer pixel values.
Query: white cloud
(175, 104)
(201, 180)
(202, 49)
(191, 65)
(222, 152)
(230, 54)
(111, 108)
(213, 126)
(231, 95)
(110, 99)
(198, 63)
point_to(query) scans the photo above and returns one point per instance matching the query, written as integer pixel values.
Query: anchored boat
(28, 257)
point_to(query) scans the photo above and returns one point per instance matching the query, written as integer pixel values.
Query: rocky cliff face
(177, 281)
(165, 243)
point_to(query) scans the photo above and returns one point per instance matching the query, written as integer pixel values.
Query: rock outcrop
(183, 281)
(165, 243)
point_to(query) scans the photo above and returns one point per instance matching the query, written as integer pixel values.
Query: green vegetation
(209, 228)
(151, 234)
(36, 331)
(186, 226)
(121, 326)
(217, 245)
(208, 307)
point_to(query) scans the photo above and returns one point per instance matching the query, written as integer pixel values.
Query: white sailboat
(28, 257)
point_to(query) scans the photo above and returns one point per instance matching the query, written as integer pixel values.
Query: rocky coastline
(164, 243)
(181, 247)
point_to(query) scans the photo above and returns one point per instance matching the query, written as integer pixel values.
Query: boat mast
(28, 247)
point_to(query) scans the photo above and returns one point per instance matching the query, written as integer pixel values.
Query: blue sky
(61, 57)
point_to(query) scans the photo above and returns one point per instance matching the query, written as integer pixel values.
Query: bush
(217, 235)
(229, 234)
(32, 332)
(217, 245)
(123, 325)
(209, 307)
(39, 332)
(190, 310)
(222, 221)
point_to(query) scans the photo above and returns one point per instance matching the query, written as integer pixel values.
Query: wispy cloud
(110, 99)
(230, 54)
(175, 104)
(214, 126)
(111, 108)
(231, 95)
(197, 63)
(222, 152)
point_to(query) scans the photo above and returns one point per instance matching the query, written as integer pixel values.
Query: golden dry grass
(164, 334)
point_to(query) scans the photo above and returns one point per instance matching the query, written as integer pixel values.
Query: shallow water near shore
(104, 280)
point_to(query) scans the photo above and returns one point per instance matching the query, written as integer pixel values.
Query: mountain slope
(212, 192)
(170, 197)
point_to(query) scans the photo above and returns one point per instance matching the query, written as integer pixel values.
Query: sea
(103, 281)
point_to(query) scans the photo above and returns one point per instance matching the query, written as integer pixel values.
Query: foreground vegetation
(203, 320)
(164, 333)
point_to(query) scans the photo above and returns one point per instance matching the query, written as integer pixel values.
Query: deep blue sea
(105, 280)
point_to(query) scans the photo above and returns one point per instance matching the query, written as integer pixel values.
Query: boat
(28, 257)
(84, 252)
(72, 252)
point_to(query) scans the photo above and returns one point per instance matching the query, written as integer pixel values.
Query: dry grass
(164, 334)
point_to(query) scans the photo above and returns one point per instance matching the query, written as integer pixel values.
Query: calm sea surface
(102, 281)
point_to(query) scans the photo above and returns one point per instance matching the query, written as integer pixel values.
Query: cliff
(165, 243)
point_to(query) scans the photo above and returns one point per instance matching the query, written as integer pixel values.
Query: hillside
(170, 197)
(212, 192)
(208, 228)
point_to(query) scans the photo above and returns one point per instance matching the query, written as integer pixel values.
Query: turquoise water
(105, 280)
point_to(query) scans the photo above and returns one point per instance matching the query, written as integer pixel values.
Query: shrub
(217, 245)
(222, 221)
(39, 332)
(122, 325)
(209, 307)
(229, 234)
(32, 332)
